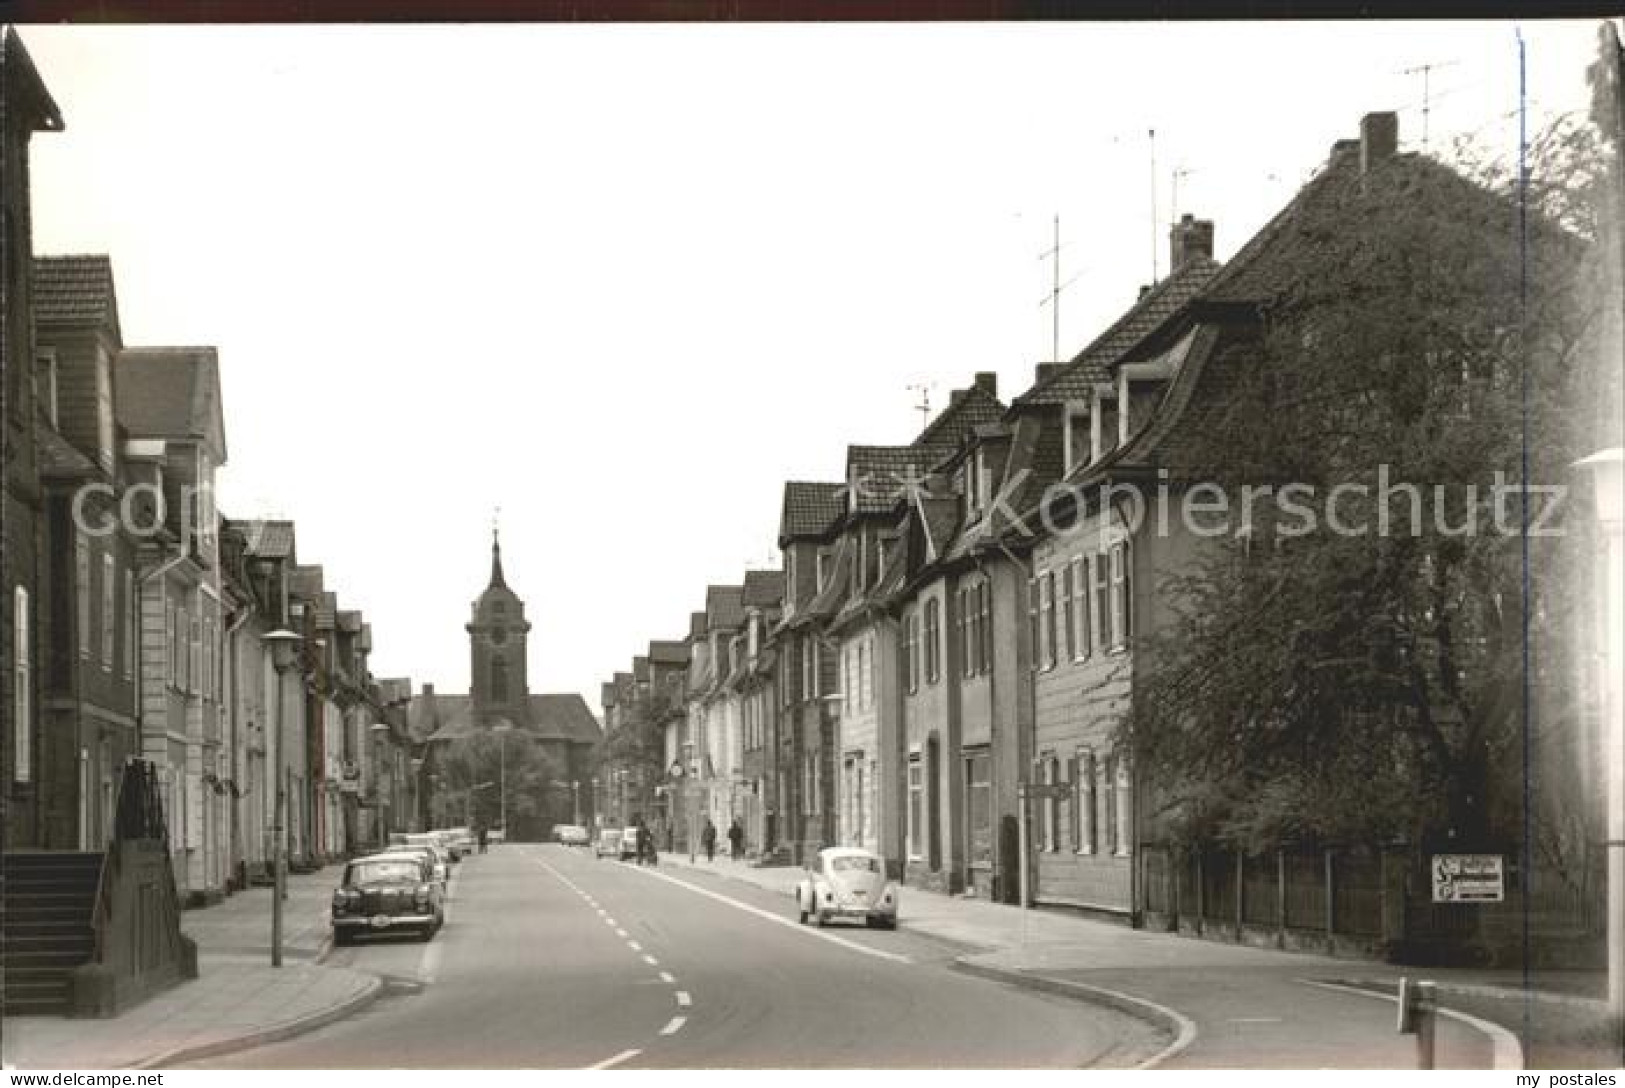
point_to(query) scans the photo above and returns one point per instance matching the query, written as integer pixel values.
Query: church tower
(499, 685)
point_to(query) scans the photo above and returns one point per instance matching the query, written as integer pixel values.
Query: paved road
(552, 959)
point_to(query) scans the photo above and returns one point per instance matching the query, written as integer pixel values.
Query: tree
(474, 768)
(1423, 326)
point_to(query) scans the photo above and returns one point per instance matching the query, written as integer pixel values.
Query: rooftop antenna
(924, 407)
(1053, 299)
(1426, 72)
(1173, 208)
(1152, 133)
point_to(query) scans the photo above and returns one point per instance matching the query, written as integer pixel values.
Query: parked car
(439, 867)
(847, 882)
(572, 835)
(465, 841)
(496, 835)
(449, 842)
(387, 892)
(629, 843)
(609, 843)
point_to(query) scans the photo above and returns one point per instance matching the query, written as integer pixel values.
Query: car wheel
(427, 932)
(341, 937)
(823, 919)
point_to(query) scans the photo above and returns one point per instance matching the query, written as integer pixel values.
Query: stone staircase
(46, 902)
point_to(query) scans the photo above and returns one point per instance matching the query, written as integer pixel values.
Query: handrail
(138, 815)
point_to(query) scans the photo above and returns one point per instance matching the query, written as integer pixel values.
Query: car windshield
(372, 872)
(854, 865)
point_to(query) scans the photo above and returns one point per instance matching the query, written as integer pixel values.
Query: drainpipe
(236, 749)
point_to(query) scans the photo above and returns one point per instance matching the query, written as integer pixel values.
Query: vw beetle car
(847, 882)
(387, 892)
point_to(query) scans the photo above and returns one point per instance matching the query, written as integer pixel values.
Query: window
(916, 805)
(1046, 620)
(1103, 606)
(22, 688)
(846, 679)
(866, 666)
(81, 587)
(911, 650)
(1068, 614)
(1083, 802)
(104, 410)
(1119, 592)
(933, 641)
(962, 628)
(1109, 798)
(984, 628)
(1051, 830)
(1080, 604)
(45, 383)
(499, 679)
(132, 623)
(109, 609)
(194, 659)
(1123, 791)
(1032, 620)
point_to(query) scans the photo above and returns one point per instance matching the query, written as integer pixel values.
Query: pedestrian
(736, 839)
(485, 837)
(646, 845)
(708, 839)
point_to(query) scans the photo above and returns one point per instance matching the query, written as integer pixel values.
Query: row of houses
(142, 624)
(958, 620)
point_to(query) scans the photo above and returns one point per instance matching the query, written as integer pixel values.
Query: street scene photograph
(828, 546)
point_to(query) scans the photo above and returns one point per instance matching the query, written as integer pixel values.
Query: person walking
(708, 839)
(736, 839)
(485, 837)
(646, 845)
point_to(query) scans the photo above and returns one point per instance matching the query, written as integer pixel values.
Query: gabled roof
(879, 477)
(35, 109)
(172, 393)
(268, 539)
(763, 588)
(564, 717)
(306, 581)
(724, 607)
(668, 653)
(75, 289)
(810, 510)
(1076, 380)
(967, 409)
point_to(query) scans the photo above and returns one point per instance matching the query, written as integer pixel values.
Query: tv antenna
(1426, 72)
(1053, 299)
(1152, 134)
(1173, 209)
(924, 407)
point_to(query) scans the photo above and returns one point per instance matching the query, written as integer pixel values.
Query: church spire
(496, 551)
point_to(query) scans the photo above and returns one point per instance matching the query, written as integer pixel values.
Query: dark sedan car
(387, 893)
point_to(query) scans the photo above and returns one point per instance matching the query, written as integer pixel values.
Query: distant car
(464, 840)
(381, 893)
(496, 834)
(439, 868)
(609, 842)
(847, 882)
(629, 843)
(450, 842)
(572, 835)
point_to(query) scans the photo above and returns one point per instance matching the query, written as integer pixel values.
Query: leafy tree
(467, 764)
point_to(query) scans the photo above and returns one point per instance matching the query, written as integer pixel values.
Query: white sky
(624, 281)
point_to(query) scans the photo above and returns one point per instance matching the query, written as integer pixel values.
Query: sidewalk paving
(238, 999)
(1226, 1005)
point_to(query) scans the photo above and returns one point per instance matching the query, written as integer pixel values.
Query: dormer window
(818, 572)
(104, 410)
(1077, 436)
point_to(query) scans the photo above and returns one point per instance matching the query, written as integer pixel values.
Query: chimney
(1343, 150)
(1042, 372)
(428, 691)
(988, 382)
(1145, 289)
(1379, 138)
(1188, 239)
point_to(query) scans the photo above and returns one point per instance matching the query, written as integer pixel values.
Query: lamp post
(1608, 488)
(282, 643)
(501, 729)
(691, 789)
(575, 801)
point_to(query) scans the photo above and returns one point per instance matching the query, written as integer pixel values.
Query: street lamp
(283, 643)
(501, 729)
(1608, 488)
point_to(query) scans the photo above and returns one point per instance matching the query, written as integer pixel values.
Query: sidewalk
(238, 999)
(1223, 1005)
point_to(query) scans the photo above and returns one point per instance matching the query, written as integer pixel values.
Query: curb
(1506, 1052)
(1180, 1026)
(275, 1034)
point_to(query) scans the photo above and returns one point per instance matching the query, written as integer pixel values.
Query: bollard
(1418, 1013)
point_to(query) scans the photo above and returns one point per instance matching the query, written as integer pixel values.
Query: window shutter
(22, 689)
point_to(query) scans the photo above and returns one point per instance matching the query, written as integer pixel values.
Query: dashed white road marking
(675, 1026)
(895, 957)
(650, 960)
(624, 1055)
(683, 999)
(634, 946)
(665, 976)
(621, 933)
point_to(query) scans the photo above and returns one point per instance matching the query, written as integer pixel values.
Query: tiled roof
(306, 581)
(327, 607)
(606, 694)
(881, 476)
(724, 607)
(810, 509)
(565, 716)
(349, 620)
(551, 717)
(668, 653)
(763, 588)
(170, 393)
(696, 625)
(1075, 380)
(58, 457)
(640, 670)
(969, 409)
(268, 539)
(75, 290)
